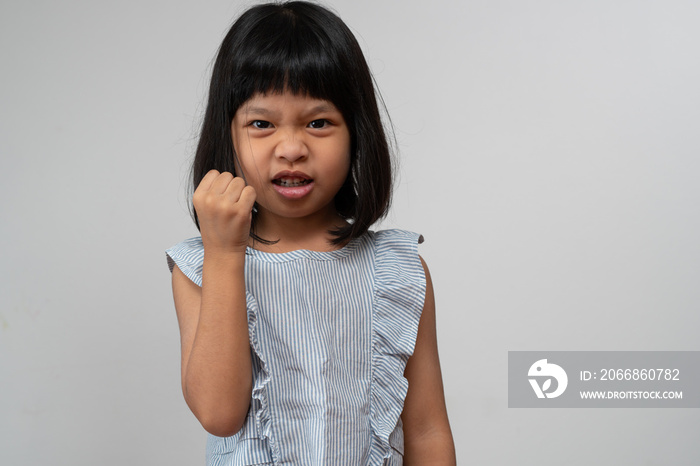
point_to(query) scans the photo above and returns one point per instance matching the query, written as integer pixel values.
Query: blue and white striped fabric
(330, 334)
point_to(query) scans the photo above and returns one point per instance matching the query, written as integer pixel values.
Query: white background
(549, 155)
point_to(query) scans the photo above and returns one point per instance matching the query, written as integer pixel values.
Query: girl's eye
(261, 124)
(318, 124)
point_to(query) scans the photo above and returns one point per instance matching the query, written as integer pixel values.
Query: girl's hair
(305, 49)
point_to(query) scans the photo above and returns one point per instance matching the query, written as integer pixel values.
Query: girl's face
(295, 151)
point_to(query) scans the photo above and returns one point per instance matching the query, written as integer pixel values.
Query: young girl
(306, 338)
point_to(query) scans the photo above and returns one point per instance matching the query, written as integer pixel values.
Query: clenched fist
(224, 207)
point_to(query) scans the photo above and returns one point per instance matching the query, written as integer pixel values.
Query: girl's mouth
(293, 187)
(291, 182)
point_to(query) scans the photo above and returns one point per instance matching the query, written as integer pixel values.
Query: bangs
(286, 53)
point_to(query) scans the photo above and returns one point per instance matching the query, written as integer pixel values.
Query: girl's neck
(291, 234)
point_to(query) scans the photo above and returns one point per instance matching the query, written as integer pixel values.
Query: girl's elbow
(221, 427)
(219, 420)
(221, 424)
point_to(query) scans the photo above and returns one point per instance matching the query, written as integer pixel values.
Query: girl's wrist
(224, 256)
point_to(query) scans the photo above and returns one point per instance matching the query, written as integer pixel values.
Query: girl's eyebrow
(258, 110)
(323, 108)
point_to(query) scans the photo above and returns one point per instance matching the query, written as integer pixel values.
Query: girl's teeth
(292, 182)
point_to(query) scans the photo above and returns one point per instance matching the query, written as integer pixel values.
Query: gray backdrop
(549, 155)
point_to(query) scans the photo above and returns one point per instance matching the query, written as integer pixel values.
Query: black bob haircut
(302, 48)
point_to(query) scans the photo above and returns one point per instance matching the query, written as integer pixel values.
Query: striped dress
(330, 335)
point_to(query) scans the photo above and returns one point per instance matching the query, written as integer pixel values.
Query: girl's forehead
(285, 99)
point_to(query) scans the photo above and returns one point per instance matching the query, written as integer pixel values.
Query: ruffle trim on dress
(189, 257)
(400, 287)
(263, 420)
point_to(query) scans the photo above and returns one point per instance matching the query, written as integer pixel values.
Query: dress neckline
(308, 254)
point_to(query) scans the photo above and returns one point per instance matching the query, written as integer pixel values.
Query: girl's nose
(291, 147)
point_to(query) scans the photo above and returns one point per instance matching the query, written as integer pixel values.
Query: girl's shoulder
(395, 237)
(188, 255)
(397, 246)
(397, 259)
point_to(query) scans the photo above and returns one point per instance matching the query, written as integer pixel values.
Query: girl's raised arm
(216, 364)
(427, 434)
